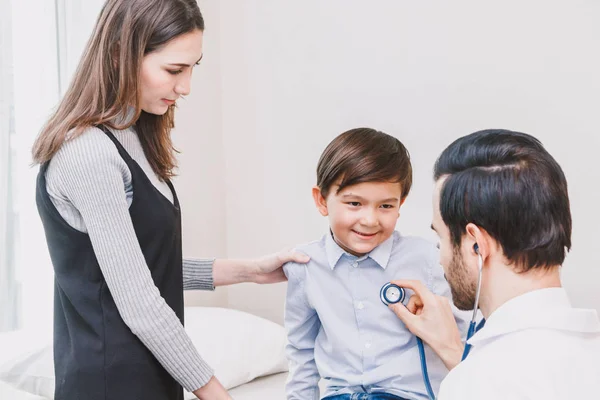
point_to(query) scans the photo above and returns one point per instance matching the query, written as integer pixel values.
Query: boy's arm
(302, 324)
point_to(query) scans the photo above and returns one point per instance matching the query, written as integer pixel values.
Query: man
(501, 201)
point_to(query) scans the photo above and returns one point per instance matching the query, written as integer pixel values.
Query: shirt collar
(544, 308)
(380, 254)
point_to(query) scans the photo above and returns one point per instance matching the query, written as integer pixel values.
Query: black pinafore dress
(96, 356)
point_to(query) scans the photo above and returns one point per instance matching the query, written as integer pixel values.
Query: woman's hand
(213, 390)
(266, 269)
(430, 317)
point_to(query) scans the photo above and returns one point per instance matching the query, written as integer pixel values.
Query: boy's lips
(364, 235)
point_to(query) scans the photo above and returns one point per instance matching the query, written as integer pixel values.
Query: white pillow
(31, 372)
(239, 346)
(7, 392)
(15, 343)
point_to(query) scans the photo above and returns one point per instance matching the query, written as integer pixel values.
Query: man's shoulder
(526, 364)
(473, 379)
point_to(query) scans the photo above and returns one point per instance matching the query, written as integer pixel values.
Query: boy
(338, 328)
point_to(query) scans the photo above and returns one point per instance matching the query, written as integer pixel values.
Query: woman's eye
(177, 72)
(354, 203)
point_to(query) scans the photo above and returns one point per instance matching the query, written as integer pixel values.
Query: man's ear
(320, 201)
(476, 235)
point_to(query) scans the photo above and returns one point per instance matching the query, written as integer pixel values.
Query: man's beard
(463, 290)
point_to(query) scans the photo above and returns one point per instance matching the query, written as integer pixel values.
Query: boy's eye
(354, 203)
(176, 72)
(387, 206)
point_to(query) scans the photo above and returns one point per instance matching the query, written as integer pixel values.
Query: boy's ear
(320, 201)
(400, 206)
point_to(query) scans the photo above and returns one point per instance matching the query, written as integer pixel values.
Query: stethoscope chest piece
(391, 294)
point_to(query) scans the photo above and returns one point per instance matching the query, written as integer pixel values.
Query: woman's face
(167, 73)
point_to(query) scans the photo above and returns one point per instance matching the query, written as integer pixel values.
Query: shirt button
(360, 305)
(368, 345)
(355, 264)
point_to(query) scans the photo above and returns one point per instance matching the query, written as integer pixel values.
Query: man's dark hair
(508, 184)
(364, 155)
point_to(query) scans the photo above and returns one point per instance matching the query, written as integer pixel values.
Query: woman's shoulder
(90, 143)
(86, 155)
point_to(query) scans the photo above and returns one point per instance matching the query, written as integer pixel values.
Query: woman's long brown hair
(106, 83)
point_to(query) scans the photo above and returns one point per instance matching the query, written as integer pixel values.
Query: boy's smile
(365, 235)
(361, 216)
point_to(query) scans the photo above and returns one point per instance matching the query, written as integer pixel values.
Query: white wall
(280, 79)
(295, 74)
(200, 184)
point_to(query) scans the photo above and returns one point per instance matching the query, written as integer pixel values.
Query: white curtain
(8, 286)
(35, 69)
(75, 23)
(28, 93)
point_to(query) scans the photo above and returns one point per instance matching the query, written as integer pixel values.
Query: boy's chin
(364, 249)
(361, 249)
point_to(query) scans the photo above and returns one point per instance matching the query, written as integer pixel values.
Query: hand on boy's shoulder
(292, 270)
(295, 270)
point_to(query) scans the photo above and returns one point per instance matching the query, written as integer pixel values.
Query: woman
(112, 218)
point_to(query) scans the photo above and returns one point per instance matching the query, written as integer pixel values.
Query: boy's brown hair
(364, 155)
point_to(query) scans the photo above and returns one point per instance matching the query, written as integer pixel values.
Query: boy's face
(361, 216)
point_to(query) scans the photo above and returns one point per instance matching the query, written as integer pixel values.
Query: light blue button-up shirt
(339, 330)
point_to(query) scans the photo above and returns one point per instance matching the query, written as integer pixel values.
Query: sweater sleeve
(89, 173)
(198, 274)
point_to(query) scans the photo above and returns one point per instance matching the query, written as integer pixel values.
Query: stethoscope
(392, 294)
